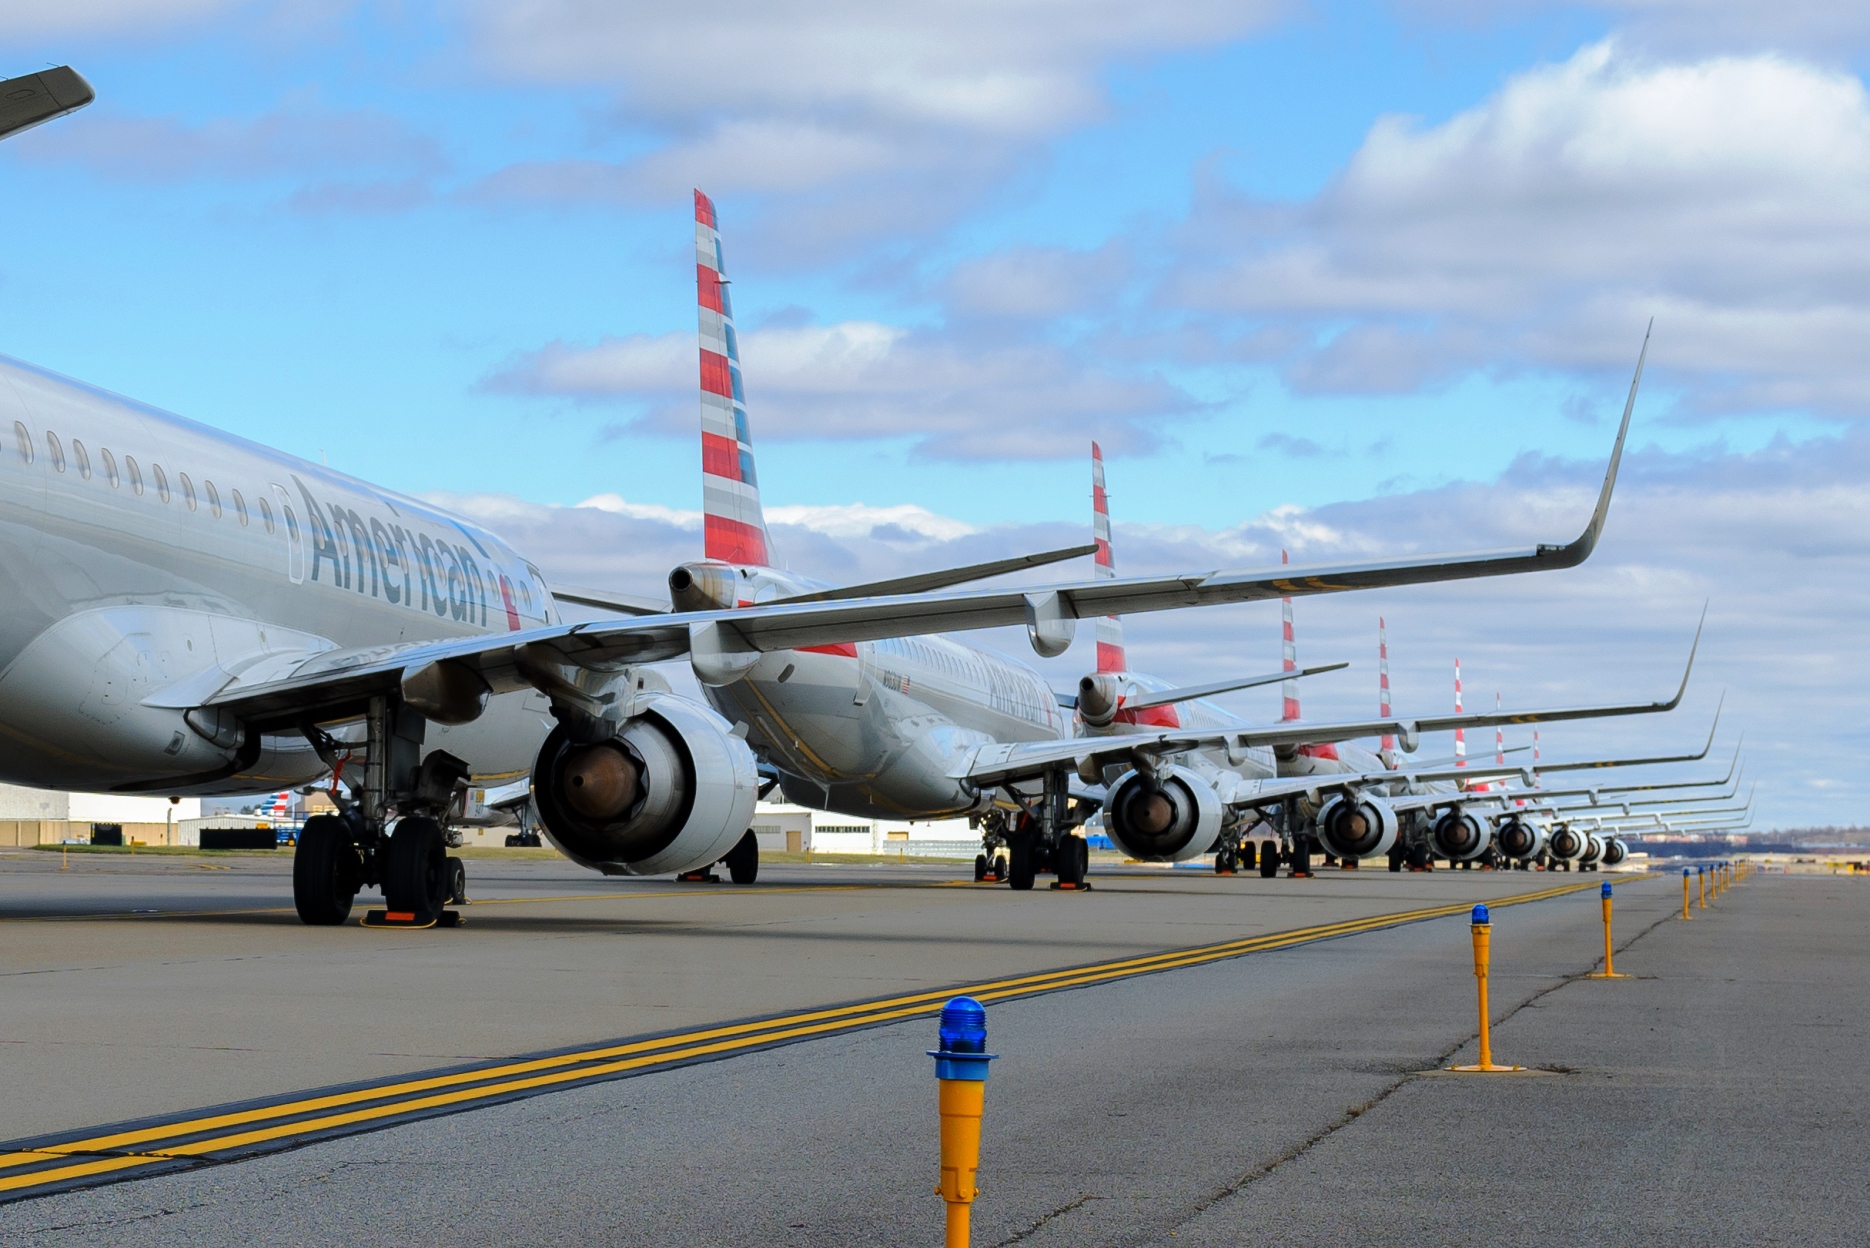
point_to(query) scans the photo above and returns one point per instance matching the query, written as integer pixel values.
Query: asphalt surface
(1271, 1099)
(146, 985)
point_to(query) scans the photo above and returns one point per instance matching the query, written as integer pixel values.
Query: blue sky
(1281, 258)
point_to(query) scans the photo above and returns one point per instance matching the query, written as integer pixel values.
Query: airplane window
(110, 465)
(292, 524)
(136, 477)
(79, 458)
(266, 514)
(240, 508)
(162, 481)
(24, 441)
(214, 497)
(56, 451)
(188, 489)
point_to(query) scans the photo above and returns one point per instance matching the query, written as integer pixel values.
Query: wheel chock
(698, 877)
(410, 919)
(1081, 887)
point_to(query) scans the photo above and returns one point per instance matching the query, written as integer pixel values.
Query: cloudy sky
(1334, 276)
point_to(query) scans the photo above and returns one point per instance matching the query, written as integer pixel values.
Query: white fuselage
(146, 560)
(873, 729)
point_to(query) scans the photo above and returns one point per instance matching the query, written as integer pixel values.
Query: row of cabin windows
(1004, 691)
(107, 464)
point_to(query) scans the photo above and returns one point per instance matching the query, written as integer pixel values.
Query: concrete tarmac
(1270, 1099)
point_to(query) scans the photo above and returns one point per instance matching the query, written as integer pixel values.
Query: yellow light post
(1483, 941)
(1701, 886)
(1685, 914)
(961, 1072)
(1609, 971)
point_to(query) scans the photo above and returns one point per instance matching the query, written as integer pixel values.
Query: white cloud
(859, 520)
(860, 379)
(890, 112)
(25, 18)
(1729, 197)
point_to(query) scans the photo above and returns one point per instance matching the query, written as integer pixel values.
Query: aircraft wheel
(1020, 867)
(1223, 863)
(1301, 857)
(1269, 859)
(457, 881)
(325, 872)
(980, 867)
(743, 860)
(415, 871)
(1243, 857)
(1072, 854)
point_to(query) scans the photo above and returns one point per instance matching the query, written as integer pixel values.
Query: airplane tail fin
(730, 491)
(1110, 656)
(1289, 658)
(1460, 735)
(1388, 745)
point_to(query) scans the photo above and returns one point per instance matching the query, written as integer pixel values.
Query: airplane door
(295, 537)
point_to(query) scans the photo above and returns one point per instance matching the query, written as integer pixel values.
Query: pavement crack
(1059, 1212)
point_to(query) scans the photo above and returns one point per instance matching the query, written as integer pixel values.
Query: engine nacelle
(1171, 820)
(672, 791)
(1567, 843)
(1357, 827)
(1593, 849)
(1098, 697)
(1615, 851)
(1520, 838)
(1460, 837)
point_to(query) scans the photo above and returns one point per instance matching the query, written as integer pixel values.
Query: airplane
(190, 612)
(1172, 790)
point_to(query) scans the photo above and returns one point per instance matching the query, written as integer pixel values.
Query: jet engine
(1593, 849)
(1098, 696)
(1615, 851)
(1520, 838)
(1357, 827)
(1567, 843)
(1172, 818)
(1460, 837)
(672, 790)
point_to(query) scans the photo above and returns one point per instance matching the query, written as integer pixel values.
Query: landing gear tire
(415, 871)
(1269, 859)
(1074, 857)
(1301, 857)
(457, 881)
(1020, 867)
(980, 867)
(743, 860)
(1243, 857)
(1224, 863)
(1397, 856)
(325, 872)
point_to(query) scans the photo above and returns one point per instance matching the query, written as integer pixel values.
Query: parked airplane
(191, 612)
(1176, 786)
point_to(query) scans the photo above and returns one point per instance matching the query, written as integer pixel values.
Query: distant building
(48, 817)
(784, 828)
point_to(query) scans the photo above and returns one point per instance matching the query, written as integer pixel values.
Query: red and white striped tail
(1499, 737)
(1460, 735)
(1383, 680)
(730, 492)
(1288, 658)
(1110, 656)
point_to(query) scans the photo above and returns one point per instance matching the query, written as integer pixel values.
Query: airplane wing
(1003, 763)
(34, 99)
(610, 600)
(339, 683)
(1188, 693)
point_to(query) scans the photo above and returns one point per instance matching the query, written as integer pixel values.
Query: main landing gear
(1041, 836)
(389, 832)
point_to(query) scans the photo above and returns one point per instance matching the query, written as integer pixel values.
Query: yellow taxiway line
(74, 1159)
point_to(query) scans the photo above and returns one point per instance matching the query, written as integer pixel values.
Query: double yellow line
(40, 1167)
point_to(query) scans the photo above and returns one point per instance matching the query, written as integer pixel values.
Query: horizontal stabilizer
(1188, 693)
(925, 582)
(608, 600)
